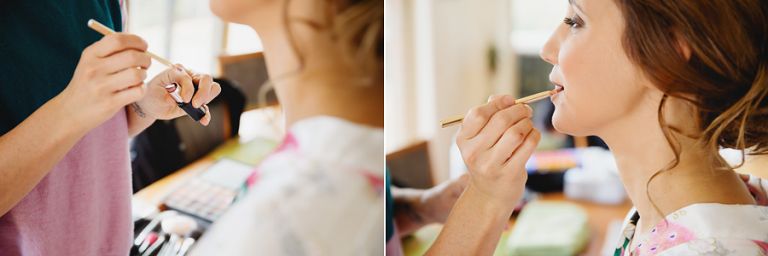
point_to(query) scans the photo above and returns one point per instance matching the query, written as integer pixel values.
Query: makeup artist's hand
(436, 202)
(415, 208)
(496, 140)
(158, 103)
(106, 80)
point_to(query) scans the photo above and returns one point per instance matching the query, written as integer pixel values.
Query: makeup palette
(210, 194)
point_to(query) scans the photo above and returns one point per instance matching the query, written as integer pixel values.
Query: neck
(321, 88)
(311, 96)
(641, 150)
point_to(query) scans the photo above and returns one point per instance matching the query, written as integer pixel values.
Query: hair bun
(744, 125)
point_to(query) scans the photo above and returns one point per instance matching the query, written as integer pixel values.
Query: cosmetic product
(457, 119)
(194, 113)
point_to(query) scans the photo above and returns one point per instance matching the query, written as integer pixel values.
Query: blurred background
(187, 32)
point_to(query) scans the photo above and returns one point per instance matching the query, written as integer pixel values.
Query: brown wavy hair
(358, 28)
(724, 75)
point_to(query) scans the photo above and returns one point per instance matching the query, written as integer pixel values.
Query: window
(187, 32)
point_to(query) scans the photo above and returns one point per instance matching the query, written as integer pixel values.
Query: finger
(493, 97)
(477, 117)
(186, 70)
(129, 95)
(523, 153)
(215, 91)
(511, 140)
(204, 85)
(114, 43)
(179, 76)
(126, 59)
(207, 117)
(126, 78)
(500, 122)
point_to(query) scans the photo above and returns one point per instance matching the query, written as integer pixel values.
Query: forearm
(138, 120)
(474, 226)
(407, 218)
(31, 149)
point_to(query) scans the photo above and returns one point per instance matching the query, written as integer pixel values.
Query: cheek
(599, 85)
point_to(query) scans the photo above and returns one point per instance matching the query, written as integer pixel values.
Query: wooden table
(599, 219)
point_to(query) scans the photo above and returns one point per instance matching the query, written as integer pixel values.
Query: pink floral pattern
(289, 143)
(665, 235)
(705, 229)
(763, 246)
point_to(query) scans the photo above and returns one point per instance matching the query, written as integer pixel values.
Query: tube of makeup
(195, 113)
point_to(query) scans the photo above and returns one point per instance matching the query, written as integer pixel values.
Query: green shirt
(40, 46)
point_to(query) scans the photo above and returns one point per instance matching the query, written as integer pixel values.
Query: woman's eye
(572, 22)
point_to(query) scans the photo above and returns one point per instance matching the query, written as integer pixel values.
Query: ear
(683, 47)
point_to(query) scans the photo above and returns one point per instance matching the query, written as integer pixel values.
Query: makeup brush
(150, 240)
(154, 246)
(178, 227)
(185, 245)
(457, 119)
(189, 241)
(104, 30)
(151, 226)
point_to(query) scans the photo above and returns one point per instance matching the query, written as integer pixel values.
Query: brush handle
(525, 100)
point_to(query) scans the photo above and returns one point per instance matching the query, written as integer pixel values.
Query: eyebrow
(576, 4)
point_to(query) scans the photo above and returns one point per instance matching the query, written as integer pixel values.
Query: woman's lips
(559, 87)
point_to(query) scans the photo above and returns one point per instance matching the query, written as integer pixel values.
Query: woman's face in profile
(601, 86)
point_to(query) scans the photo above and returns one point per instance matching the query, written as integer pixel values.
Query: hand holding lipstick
(159, 103)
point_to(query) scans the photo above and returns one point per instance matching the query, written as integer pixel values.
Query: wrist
(474, 226)
(139, 110)
(69, 122)
(488, 204)
(138, 119)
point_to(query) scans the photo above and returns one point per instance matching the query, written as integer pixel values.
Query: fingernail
(509, 100)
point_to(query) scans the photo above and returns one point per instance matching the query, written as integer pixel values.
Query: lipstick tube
(195, 113)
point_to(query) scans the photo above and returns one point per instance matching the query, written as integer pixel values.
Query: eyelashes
(575, 22)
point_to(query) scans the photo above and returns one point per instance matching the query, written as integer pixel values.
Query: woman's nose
(551, 49)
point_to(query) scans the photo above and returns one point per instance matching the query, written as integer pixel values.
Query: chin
(558, 123)
(566, 125)
(219, 8)
(228, 10)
